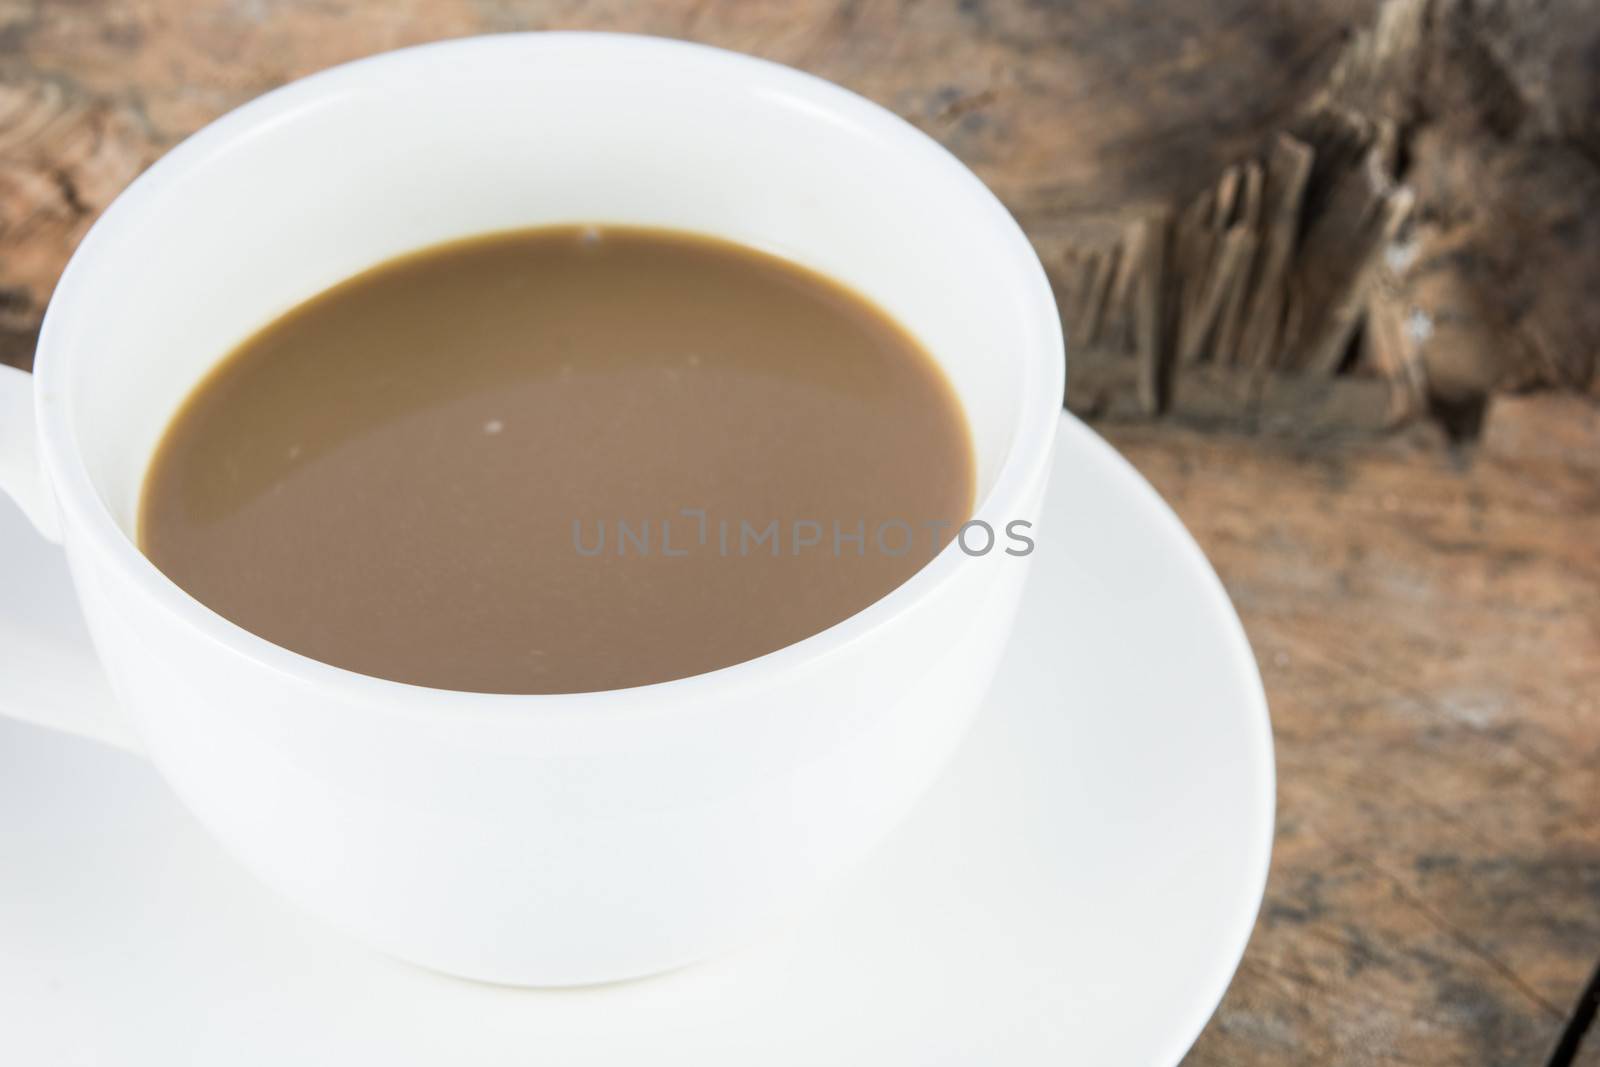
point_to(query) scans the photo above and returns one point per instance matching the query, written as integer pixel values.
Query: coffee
(560, 460)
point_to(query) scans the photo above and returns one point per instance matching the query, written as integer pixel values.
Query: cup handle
(49, 674)
(21, 477)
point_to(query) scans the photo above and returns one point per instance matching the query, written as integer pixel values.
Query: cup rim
(91, 524)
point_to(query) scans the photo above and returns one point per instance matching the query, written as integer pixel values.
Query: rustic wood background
(1425, 605)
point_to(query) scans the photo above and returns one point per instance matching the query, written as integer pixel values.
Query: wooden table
(1428, 626)
(1427, 617)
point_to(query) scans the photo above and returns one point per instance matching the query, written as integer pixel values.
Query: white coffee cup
(534, 840)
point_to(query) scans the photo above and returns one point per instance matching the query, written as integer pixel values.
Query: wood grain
(1450, 171)
(1426, 624)
(1425, 616)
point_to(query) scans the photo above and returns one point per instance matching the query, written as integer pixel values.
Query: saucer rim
(1075, 433)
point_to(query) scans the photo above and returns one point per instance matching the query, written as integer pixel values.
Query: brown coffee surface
(410, 475)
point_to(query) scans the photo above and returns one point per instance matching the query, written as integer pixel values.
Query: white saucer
(1077, 889)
